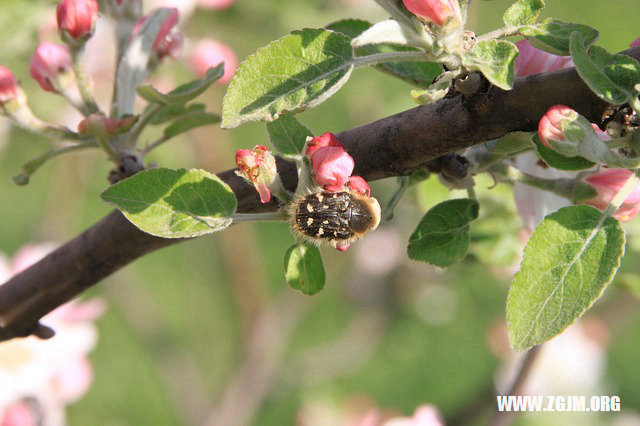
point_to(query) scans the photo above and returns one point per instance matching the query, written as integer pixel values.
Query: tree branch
(392, 146)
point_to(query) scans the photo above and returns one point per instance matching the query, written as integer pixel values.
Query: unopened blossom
(635, 42)
(607, 184)
(9, 89)
(550, 125)
(358, 184)
(99, 124)
(535, 61)
(51, 66)
(332, 167)
(215, 4)
(211, 53)
(76, 18)
(40, 377)
(257, 166)
(324, 140)
(436, 11)
(169, 41)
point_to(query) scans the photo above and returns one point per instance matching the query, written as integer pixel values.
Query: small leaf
(387, 32)
(436, 91)
(558, 161)
(304, 269)
(172, 111)
(495, 59)
(553, 36)
(190, 121)
(420, 74)
(611, 77)
(288, 136)
(174, 203)
(523, 12)
(295, 72)
(184, 93)
(570, 259)
(442, 236)
(511, 143)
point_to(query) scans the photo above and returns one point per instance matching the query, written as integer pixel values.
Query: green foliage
(304, 269)
(420, 74)
(511, 143)
(173, 111)
(184, 93)
(174, 203)
(442, 235)
(523, 12)
(295, 72)
(558, 161)
(495, 60)
(190, 121)
(553, 36)
(569, 260)
(288, 136)
(611, 77)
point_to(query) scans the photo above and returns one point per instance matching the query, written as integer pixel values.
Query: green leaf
(523, 12)
(288, 136)
(190, 121)
(304, 269)
(511, 143)
(388, 32)
(553, 36)
(295, 72)
(442, 236)
(420, 74)
(570, 258)
(184, 93)
(495, 60)
(172, 111)
(611, 77)
(174, 203)
(558, 161)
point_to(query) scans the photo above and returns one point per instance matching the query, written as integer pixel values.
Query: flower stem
(622, 195)
(87, 98)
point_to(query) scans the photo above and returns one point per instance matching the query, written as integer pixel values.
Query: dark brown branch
(393, 146)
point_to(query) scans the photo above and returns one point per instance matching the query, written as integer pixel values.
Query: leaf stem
(378, 58)
(502, 32)
(260, 217)
(390, 209)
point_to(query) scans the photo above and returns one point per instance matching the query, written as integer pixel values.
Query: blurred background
(207, 331)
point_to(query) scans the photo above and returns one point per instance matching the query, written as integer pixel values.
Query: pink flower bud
(635, 42)
(607, 183)
(18, 414)
(258, 166)
(600, 133)
(550, 125)
(210, 53)
(99, 124)
(48, 63)
(436, 11)
(76, 18)
(327, 139)
(9, 89)
(215, 4)
(360, 185)
(535, 61)
(168, 42)
(332, 167)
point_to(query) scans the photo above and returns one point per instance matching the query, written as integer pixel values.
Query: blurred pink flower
(332, 167)
(635, 42)
(215, 4)
(535, 61)
(425, 415)
(210, 53)
(8, 86)
(19, 414)
(607, 183)
(77, 17)
(49, 373)
(49, 63)
(437, 11)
